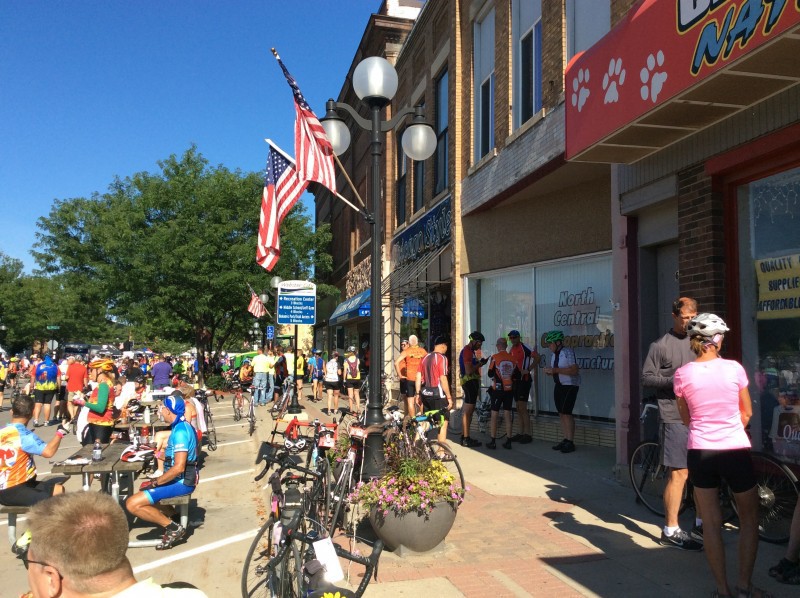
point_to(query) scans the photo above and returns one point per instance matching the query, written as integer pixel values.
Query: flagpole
(291, 160)
(349, 182)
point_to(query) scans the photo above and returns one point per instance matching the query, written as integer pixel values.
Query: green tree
(171, 253)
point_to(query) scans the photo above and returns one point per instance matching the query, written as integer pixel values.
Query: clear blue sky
(90, 89)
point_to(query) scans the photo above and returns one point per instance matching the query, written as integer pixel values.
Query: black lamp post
(375, 83)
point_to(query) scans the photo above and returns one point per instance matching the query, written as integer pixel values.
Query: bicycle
(280, 405)
(776, 486)
(238, 399)
(211, 430)
(385, 395)
(280, 560)
(423, 425)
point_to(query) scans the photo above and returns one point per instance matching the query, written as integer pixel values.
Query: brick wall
(553, 52)
(701, 240)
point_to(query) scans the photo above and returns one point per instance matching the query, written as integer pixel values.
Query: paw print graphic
(652, 81)
(613, 78)
(580, 93)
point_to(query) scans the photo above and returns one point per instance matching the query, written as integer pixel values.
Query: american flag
(282, 189)
(256, 307)
(311, 145)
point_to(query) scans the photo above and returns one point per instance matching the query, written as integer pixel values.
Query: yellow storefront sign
(778, 287)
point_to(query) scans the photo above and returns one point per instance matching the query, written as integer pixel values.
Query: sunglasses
(26, 561)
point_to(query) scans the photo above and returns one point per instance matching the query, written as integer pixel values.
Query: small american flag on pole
(311, 145)
(282, 189)
(256, 306)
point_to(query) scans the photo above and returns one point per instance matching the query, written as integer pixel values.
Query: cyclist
(564, 370)
(100, 404)
(406, 366)
(299, 372)
(260, 377)
(527, 361)
(180, 475)
(432, 386)
(504, 372)
(13, 369)
(316, 371)
(352, 379)
(469, 366)
(714, 401)
(333, 375)
(47, 378)
(665, 356)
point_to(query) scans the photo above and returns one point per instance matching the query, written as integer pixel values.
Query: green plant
(215, 382)
(412, 483)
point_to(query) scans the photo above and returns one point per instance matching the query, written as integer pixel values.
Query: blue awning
(355, 307)
(413, 308)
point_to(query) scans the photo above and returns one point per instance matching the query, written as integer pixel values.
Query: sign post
(297, 304)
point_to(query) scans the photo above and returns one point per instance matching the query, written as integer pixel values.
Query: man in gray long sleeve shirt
(665, 356)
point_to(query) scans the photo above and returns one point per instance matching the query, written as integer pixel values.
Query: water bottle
(147, 415)
(97, 451)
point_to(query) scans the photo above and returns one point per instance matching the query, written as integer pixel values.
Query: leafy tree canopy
(170, 254)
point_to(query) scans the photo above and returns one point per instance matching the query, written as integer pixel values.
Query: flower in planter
(412, 483)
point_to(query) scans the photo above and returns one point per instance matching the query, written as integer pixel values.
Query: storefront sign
(429, 233)
(778, 287)
(661, 49)
(785, 432)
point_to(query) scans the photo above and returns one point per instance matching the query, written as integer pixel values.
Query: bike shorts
(408, 387)
(170, 490)
(331, 385)
(522, 390)
(44, 396)
(674, 440)
(353, 383)
(472, 389)
(318, 378)
(707, 468)
(565, 396)
(501, 399)
(27, 494)
(433, 401)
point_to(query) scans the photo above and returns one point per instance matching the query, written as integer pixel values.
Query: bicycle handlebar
(269, 453)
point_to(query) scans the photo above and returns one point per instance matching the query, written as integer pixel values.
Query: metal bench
(182, 502)
(12, 513)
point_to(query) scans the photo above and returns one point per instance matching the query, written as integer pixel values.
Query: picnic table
(111, 464)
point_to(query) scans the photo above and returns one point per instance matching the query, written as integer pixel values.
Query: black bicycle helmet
(477, 336)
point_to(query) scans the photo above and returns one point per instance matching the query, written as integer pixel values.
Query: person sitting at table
(94, 522)
(100, 404)
(18, 484)
(180, 475)
(246, 373)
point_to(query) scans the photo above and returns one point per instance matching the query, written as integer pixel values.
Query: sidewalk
(537, 522)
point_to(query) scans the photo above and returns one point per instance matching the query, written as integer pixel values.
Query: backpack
(352, 367)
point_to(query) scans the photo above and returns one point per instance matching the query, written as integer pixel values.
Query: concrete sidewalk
(537, 522)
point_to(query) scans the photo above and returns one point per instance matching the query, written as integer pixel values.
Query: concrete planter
(414, 531)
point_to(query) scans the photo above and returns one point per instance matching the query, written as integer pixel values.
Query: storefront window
(770, 271)
(572, 296)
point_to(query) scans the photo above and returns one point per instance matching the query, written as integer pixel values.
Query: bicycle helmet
(513, 333)
(554, 336)
(707, 325)
(141, 453)
(477, 336)
(296, 445)
(317, 352)
(351, 349)
(102, 364)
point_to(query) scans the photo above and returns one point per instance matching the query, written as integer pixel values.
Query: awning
(671, 69)
(355, 307)
(408, 280)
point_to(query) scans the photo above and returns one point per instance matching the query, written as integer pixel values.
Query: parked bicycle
(211, 430)
(776, 485)
(282, 560)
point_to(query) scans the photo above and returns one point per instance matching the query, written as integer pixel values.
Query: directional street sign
(297, 302)
(53, 327)
(270, 332)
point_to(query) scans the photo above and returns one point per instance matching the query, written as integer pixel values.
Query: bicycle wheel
(211, 432)
(237, 410)
(251, 418)
(777, 497)
(255, 573)
(648, 476)
(321, 498)
(290, 572)
(442, 452)
(338, 496)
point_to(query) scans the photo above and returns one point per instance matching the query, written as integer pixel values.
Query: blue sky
(91, 89)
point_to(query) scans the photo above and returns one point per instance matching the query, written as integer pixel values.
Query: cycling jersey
(414, 356)
(100, 404)
(524, 357)
(466, 356)
(351, 369)
(182, 439)
(332, 370)
(433, 367)
(46, 375)
(316, 365)
(17, 444)
(503, 369)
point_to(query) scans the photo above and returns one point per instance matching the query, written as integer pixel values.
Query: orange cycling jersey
(413, 358)
(502, 368)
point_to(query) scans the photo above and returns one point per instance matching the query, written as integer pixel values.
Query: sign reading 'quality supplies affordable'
(778, 287)
(297, 302)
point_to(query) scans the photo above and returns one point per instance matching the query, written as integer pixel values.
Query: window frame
(441, 168)
(484, 91)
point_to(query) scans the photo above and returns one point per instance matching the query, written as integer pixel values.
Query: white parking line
(227, 475)
(230, 426)
(232, 443)
(195, 551)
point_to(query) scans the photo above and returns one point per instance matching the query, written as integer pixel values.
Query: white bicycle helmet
(707, 325)
(296, 445)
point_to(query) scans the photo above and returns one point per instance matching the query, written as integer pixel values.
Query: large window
(587, 22)
(569, 295)
(419, 186)
(527, 36)
(483, 60)
(441, 171)
(400, 196)
(769, 272)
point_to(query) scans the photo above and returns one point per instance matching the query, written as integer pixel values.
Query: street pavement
(535, 522)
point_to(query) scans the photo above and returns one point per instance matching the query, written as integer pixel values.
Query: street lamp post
(375, 83)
